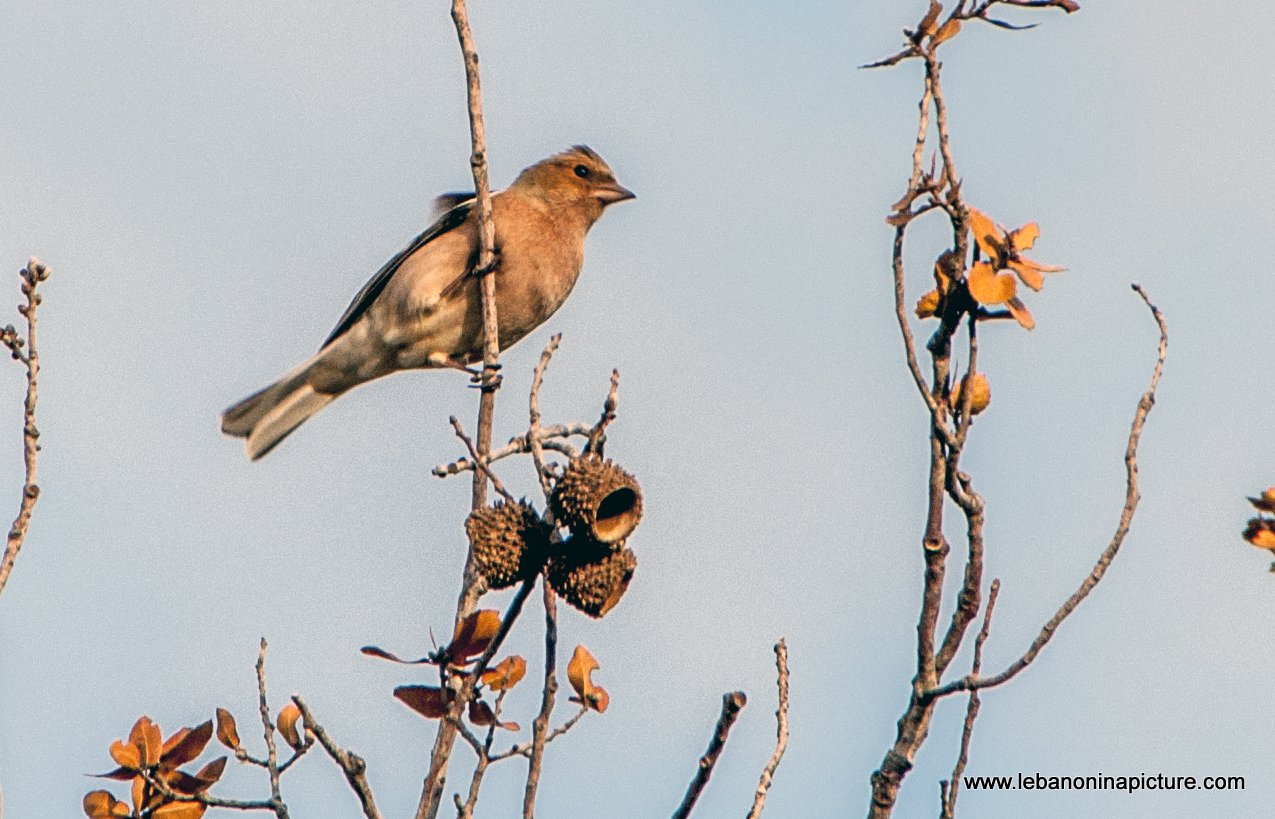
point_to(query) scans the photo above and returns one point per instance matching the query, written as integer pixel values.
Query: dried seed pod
(508, 541)
(591, 576)
(597, 500)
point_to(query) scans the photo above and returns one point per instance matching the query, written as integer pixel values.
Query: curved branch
(1132, 497)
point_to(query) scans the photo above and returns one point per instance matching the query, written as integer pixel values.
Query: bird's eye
(582, 171)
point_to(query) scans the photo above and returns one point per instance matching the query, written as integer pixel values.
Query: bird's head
(577, 178)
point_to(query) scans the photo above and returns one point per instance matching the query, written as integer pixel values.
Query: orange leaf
(180, 810)
(1020, 312)
(120, 774)
(480, 713)
(1028, 274)
(927, 24)
(947, 32)
(102, 805)
(377, 651)
(980, 394)
(579, 672)
(126, 756)
(227, 731)
(508, 673)
(146, 736)
(989, 287)
(141, 794)
(1266, 503)
(1261, 533)
(928, 305)
(1024, 237)
(987, 234)
(288, 716)
(205, 778)
(425, 700)
(185, 745)
(473, 634)
(1041, 268)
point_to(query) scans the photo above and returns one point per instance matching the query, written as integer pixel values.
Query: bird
(423, 308)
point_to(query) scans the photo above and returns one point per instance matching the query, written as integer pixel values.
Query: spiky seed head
(591, 576)
(598, 500)
(509, 541)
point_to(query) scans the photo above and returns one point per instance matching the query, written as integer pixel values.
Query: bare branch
(597, 437)
(525, 749)
(533, 413)
(480, 460)
(950, 789)
(1132, 497)
(351, 764)
(32, 275)
(518, 445)
(471, 587)
(272, 756)
(781, 743)
(549, 693)
(732, 704)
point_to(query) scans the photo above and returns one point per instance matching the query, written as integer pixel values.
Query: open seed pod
(509, 542)
(591, 576)
(597, 500)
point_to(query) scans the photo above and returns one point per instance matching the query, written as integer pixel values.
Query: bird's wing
(450, 220)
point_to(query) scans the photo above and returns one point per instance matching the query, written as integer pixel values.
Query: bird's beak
(613, 193)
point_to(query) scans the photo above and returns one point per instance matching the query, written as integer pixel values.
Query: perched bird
(423, 309)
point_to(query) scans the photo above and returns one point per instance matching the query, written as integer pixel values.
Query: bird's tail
(267, 416)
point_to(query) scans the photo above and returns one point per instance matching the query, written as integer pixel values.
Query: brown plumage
(423, 309)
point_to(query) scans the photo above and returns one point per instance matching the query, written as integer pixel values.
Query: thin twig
(597, 437)
(350, 763)
(479, 460)
(548, 696)
(272, 756)
(483, 752)
(520, 444)
(732, 704)
(781, 742)
(949, 790)
(533, 416)
(32, 275)
(525, 748)
(1132, 497)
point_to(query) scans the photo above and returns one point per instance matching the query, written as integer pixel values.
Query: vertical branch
(781, 742)
(490, 379)
(732, 704)
(533, 416)
(432, 794)
(953, 787)
(32, 275)
(272, 754)
(540, 728)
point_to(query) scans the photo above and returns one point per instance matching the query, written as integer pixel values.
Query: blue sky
(211, 184)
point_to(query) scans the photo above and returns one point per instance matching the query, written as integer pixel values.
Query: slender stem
(272, 755)
(32, 275)
(781, 741)
(351, 764)
(432, 792)
(549, 693)
(732, 704)
(953, 787)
